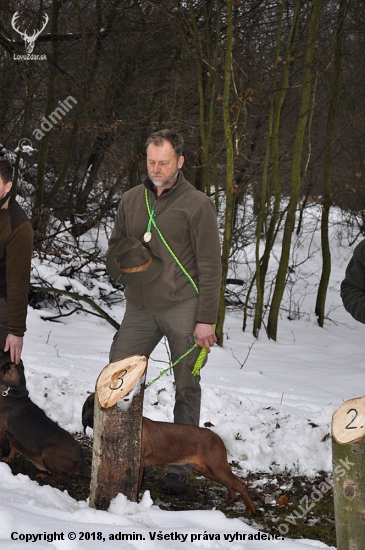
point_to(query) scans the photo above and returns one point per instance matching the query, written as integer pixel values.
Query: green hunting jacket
(190, 229)
(353, 285)
(16, 247)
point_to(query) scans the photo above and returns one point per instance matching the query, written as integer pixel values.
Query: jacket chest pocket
(136, 223)
(174, 230)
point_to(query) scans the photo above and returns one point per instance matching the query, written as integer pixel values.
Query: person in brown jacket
(172, 274)
(16, 246)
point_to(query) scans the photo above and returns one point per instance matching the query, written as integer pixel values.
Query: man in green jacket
(353, 286)
(16, 246)
(180, 298)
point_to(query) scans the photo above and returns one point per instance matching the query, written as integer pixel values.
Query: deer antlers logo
(29, 40)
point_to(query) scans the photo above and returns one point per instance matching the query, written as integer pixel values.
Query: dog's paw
(250, 509)
(46, 475)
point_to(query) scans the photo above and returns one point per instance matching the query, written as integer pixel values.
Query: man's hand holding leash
(204, 335)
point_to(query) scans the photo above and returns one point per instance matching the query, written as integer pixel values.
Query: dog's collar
(18, 393)
(13, 391)
(5, 392)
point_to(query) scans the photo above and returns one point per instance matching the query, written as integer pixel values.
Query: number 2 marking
(121, 381)
(349, 427)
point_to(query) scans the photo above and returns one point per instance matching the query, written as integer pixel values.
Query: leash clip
(5, 393)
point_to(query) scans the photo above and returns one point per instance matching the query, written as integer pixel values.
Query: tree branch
(78, 298)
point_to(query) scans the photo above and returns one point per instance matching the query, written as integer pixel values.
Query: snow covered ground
(264, 412)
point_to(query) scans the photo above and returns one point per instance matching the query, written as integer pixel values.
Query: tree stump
(348, 459)
(117, 431)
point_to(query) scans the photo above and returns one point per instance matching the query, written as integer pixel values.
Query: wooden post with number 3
(348, 459)
(117, 431)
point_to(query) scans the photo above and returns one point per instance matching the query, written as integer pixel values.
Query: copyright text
(152, 535)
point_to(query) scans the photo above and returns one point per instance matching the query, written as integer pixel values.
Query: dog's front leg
(12, 454)
(8, 451)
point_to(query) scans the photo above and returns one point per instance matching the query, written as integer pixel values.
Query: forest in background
(268, 95)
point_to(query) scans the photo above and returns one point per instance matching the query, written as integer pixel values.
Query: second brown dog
(30, 431)
(166, 443)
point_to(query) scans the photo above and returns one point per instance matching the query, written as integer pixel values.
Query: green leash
(153, 221)
(197, 367)
(203, 352)
(173, 365)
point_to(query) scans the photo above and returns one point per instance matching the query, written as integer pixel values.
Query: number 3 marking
(121, 381)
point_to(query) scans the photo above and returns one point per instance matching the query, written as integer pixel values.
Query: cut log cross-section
(348, 459)
(117, 431)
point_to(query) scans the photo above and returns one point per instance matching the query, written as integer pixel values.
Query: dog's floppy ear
(20, 369)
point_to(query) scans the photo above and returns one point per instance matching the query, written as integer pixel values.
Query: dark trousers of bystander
(3, 322)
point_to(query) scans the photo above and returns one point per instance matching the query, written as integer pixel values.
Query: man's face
(162, 164)
(4, 188)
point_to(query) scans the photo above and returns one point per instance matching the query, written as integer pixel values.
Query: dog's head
(88, 412)
(11, 375)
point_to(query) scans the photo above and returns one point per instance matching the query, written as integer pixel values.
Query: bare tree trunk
(327, 189)
(296, 170)
(24, 129)
(117, 437)
(277, 100)
(90, 76)
(230, 189)
(348, 449)
(38, 217)
(348, 495)
(206, 79)
(65, 162)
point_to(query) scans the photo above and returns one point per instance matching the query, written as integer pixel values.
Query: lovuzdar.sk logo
(29, 39)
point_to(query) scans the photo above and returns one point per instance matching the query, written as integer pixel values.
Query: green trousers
(140, 332)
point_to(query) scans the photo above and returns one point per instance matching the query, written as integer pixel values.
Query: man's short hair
(176, 140)
(6, 170)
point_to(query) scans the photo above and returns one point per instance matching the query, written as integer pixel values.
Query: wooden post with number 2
(117, 431)
(348, 459)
